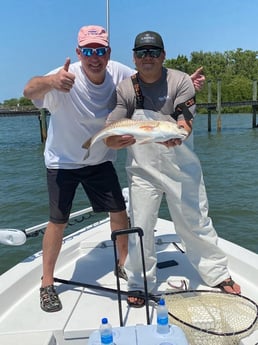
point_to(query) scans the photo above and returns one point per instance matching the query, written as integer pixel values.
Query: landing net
(212, 317)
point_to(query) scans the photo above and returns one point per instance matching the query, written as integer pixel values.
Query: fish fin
(87, 144)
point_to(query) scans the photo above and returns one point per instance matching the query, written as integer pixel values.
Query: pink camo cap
(92, 34)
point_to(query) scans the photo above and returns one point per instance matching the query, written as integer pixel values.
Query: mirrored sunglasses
(142, 53)
(101, 51)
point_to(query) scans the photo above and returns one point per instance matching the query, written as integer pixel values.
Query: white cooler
(143, 335)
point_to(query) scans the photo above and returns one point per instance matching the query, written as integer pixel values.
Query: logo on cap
(150, 38)
(92, 34)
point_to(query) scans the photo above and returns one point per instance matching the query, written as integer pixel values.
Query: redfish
(143, 131)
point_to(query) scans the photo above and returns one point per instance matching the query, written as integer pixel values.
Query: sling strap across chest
(182, 108)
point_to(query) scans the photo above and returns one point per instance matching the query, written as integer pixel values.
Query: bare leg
(52, 243)
(119, 221)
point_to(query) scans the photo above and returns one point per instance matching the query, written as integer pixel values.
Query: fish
(143, 131)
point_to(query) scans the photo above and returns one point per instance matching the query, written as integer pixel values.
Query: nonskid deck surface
(87, 257)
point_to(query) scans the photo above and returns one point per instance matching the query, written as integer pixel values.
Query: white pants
(153, 170)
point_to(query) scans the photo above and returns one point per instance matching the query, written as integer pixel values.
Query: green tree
(236, 70)
(25, 102)
(13, 102)
(181, 63)
(16, 102)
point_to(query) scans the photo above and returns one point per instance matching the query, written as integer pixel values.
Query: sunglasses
(90, 51)
(142, 53)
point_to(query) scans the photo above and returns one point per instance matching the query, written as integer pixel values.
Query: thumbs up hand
(63, 79)
(67, 64)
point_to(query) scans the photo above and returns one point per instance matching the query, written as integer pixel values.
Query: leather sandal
(139, 299)
(227, 282)
(49, 300)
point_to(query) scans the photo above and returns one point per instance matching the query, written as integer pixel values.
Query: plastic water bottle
(106, 334)
(162, 317)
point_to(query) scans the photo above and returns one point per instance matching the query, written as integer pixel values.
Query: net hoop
(224, 334)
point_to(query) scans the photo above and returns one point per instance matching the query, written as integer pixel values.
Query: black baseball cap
(148, 38)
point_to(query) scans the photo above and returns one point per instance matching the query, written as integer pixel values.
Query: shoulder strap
(183, 108)
(138, 91)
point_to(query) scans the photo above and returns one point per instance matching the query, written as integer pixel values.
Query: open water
(229, 161)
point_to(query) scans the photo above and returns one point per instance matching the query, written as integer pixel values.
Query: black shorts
(100, 183)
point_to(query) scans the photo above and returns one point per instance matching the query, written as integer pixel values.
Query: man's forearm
(37, 87)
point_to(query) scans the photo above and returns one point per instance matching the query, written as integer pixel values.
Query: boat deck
(88, 257)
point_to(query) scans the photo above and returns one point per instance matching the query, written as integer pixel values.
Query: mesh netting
(211, 317)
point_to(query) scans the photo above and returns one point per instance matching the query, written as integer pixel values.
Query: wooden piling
(254, 124)
(43, 125)
(219, 105)
(209, 101)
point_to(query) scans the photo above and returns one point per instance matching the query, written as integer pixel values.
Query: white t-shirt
(78, 115)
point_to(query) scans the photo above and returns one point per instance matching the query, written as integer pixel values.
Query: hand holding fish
(187, 126)
(119, 141)
(172, 142)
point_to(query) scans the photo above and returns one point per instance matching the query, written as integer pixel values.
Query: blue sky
(36, 36)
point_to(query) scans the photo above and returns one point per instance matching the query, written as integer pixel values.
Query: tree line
(17, 102)
(237, 70)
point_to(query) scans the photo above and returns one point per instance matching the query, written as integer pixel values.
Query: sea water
(228, 158)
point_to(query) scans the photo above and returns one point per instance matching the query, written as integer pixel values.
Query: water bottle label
(107, 339)
(162, 321)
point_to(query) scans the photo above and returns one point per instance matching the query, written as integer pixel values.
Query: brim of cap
(147, 45)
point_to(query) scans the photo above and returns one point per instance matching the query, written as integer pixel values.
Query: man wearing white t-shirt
(77, 96)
